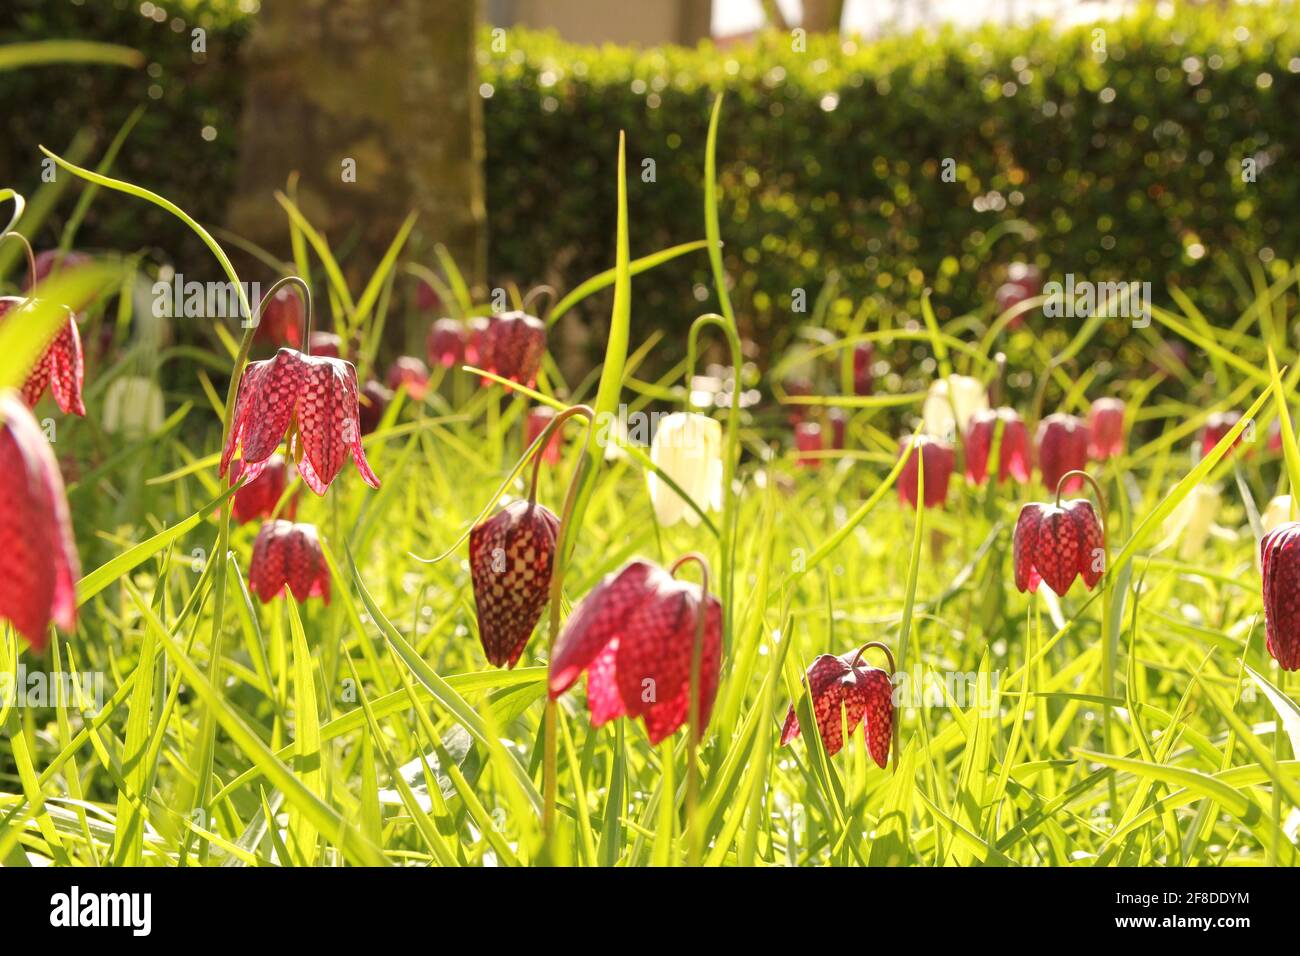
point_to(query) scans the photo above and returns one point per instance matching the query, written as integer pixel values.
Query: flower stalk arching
(727, 544)
(693, 840)
(532, 295)
(31, 256)
(304, 293)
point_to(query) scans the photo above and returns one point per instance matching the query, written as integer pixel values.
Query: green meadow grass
(1139, 724)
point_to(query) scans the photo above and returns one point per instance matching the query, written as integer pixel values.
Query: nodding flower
(289, 555)
(446, 343)
(1106, 429)
(687, 447)
(863, 693)
(311, 399)
(1014, 458)
(510, 559)
(1062, 448)
(1058, 542)
(1279, 559)
(61, 367)
(937, 459)
(635, 635)
(512, 347)
(41, 570)
(950, 404)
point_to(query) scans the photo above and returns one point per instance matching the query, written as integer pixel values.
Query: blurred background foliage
(1112, 155)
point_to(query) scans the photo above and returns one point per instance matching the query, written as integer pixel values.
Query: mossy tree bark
(375, 104)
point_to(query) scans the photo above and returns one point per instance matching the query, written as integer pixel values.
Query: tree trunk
(375, 103)
(822, 16)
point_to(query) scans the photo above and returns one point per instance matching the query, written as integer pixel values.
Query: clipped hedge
(1127, 163)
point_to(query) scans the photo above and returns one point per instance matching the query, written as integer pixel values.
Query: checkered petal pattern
(289, 555)
(512, 347)
(843, 695)
(1279, 554)
(510, 556)
(61, 367)
(1057, 544)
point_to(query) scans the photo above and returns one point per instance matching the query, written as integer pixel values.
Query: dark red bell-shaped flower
(409, 372)
(513, 346)
(371, 405)
(1106, 429)
(538, 418)
(257, 499)
(1279, 561)
(476, 331)
(634, 635)
(426, 297)
(1013, 453)
(311, 398)
(282, 319)
(39, 581)
(1062, 447)
(937, 458)
(866, 695)
(839, 427)
(808, 440)
(864, 356)
(61, 366)
(288, 554)
(446, 343)
(325, 344)
(1056, 543)
(1216, 427)
(510, 557)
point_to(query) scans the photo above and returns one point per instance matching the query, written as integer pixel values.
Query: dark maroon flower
(1279, 560)
(257, 499)
(864, 356)
(312, 399)
(61, 366)
(864, 692)
(426, 297)
(282, 319)
(1062, 447)
(476, 331)
(510, 557)
(634, 635)
(326, 345)
(371, 405)
(288, 554)
(40, 573)
(1056, 543)
(808, 439)
(539, 416)
(1008, 296)
(1013, 454)
(839, 427)
(513, 346)
(1216, 428)
(937, 458)
(1106, 429)
(446, 343)
(409, 372)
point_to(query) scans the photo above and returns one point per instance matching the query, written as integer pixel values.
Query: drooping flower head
(863, 693)
(1062, 447)
(513, 346)
(510, 557)
(1106, 429)
(286, 554)
(1279, 559)
(446, 343)
(1057, 543)
(39, 581)
(257, 499)
(133, 407)
(61, 366)
(1216, 428)
(539, 417)
(282, 319)
(808, 440)
(864, 355)
(1013, 454)
(426, 297)
(310, 398)
(634, 635)
(937, 459)
(372, 402)
(409, 372)
(1192, 522)
(950, 404)
(688, 448)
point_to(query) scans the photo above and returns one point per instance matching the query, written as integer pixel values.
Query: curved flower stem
(727, 544)
(889, 655)
(31, 256)
(693, 707)
(550, 742)
(539, 290)
(1107, 651)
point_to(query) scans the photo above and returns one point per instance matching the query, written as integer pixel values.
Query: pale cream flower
(1193, 520)
(133, 407)
(959, 394)
(688, 447)
(1278, 512)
